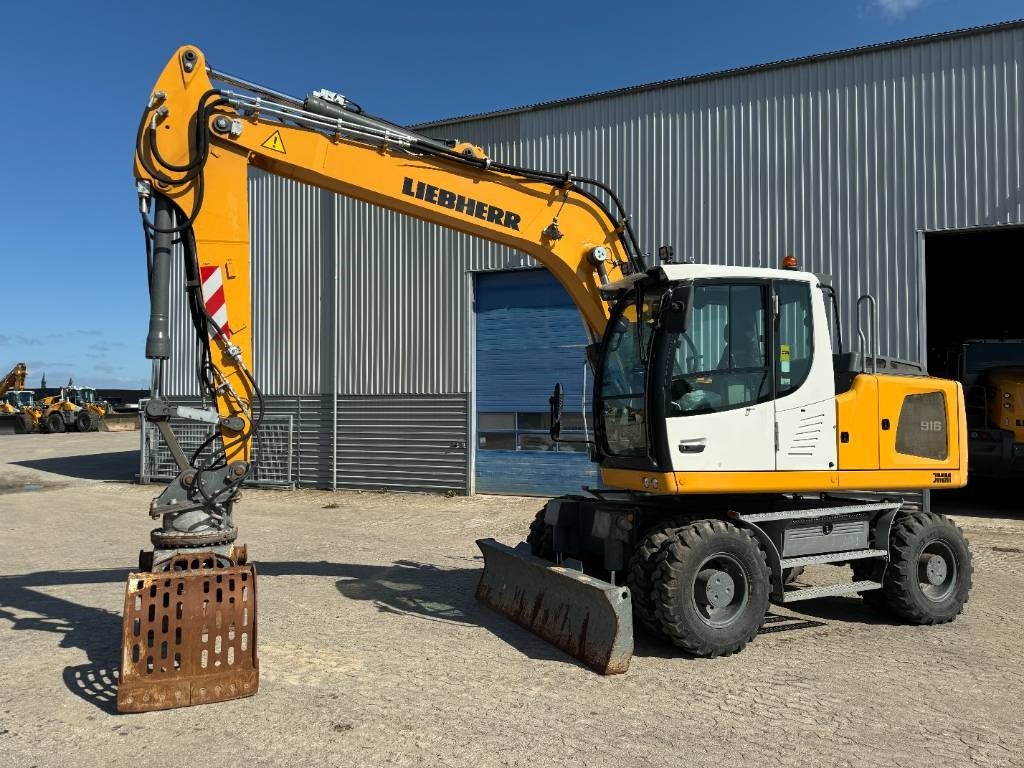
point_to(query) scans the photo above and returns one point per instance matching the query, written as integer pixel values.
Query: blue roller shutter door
(529, 335)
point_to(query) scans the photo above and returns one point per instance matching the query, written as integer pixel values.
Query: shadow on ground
(408, 588)
(119, 465)
(405, 587)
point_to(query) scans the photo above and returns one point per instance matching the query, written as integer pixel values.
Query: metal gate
(271, 450)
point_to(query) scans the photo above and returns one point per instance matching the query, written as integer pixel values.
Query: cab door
(805, 405)
(720, 416)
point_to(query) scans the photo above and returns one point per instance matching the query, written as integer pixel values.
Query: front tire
(711, 588)
(643, 566)
(928, 580)
(85, 421)
(22, 424)
(55, 423)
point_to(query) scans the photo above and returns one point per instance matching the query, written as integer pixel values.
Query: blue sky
(78, 74)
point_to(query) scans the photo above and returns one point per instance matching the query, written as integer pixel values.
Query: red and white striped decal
(213, 297)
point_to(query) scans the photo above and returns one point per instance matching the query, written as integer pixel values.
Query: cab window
(624, 374)
(795, 338)
(721, 359)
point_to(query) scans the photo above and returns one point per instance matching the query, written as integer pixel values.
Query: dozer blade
(189, 635)
(590, 619)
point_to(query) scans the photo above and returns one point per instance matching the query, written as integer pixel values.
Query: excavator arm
(194, 147)
(14, 380)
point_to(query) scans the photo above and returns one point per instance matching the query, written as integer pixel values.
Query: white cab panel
(739, 440)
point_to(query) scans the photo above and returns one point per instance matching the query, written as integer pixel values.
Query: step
(809, 593)
(822, 512)
(832, 557)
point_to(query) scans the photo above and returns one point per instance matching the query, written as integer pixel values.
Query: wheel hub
(717, 586)
(720, 590)
(937, 571)
(933, 569)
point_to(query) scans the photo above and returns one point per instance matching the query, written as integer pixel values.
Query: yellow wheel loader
(19, 408)
(732, 429)
(74, 409)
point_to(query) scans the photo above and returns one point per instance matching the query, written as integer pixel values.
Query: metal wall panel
(403, 443)
(291, 228)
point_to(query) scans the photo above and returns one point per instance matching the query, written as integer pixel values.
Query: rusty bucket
(189, 635)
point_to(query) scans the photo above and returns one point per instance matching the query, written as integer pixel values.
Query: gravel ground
(373, 651)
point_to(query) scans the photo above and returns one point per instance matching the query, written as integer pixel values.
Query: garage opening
(529, 336)
(975, 334)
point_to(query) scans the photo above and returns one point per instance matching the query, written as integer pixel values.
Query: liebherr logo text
(942, 478)
(467, 205)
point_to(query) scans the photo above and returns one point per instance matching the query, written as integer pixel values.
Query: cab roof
(681, 272)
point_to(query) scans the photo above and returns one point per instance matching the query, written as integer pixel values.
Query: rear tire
(711, 588)
(55, 423)
(642, 568)
(928, 580)
(22, 424)
(85, 421)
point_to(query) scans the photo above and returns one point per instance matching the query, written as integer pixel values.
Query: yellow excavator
(733, 432)
(18, 411)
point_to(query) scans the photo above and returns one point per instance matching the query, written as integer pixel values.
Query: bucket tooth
(189, 635)
(590, 619)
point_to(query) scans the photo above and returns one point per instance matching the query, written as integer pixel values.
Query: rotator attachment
(587, 618)
(189, 631)
(189, 634)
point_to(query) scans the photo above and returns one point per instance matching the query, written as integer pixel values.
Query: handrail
(873, 309)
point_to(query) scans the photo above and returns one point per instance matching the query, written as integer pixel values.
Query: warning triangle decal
(275, 143)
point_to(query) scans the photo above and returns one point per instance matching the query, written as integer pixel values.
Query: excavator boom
(195, 145)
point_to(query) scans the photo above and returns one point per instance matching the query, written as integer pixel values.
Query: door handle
(692, 446)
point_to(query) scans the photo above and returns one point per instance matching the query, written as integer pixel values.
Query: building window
(527, 431)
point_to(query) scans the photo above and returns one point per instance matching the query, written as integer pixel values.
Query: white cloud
(898, 8)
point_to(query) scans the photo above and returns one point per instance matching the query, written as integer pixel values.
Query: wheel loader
(73, 409)
(738, 439)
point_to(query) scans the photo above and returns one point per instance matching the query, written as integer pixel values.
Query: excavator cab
(694, 354)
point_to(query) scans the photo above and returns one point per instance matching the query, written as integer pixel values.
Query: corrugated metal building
(365, 326)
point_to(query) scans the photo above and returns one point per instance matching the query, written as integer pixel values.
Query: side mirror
(556, 401)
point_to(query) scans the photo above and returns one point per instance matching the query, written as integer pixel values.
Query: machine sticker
(275, 142)
(784, 357)
(213, 297)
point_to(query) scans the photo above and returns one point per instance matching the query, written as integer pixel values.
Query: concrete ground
(373, 651)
